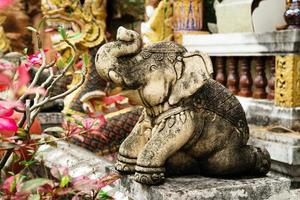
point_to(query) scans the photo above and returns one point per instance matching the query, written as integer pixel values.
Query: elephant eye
(153, 67)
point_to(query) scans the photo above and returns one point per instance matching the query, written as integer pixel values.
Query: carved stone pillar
(260, 80)
(271, 81)
(220, 70)
(287, 84)
(233, 77)
(245, 78)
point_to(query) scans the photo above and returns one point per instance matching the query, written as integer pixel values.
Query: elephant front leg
(167, 138)
(132, 145)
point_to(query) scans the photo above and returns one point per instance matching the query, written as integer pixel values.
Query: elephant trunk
(128, 42)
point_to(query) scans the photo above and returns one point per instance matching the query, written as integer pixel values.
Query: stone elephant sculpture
(190, 123)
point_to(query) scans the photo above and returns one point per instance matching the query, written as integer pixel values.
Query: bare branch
(37, 75)
(64, 71)
(50, 99)
(27, 113)
(19, 110)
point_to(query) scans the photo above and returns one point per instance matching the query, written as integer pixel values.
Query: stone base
(284, 149)
(197, 187)
(265, 113)
(295, 181)
(50, 119)
(82, 162)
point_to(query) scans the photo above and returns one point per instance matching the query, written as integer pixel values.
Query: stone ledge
(264, 113)
(283, 147)
(197, 187)
(83, 162)
(245, 44)
(78, 160)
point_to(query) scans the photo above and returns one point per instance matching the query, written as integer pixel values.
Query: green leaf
(65, 180)
(75, 36)
(103, 195)
(31, 29)
(42, 22)
(25, 50)
(79, 123)
(69, 59)
(7, 145)
(56, 129)
(34, 197)
(60, 64)
(13, 184)
(86, 59)
(50, 140)
(21, 133)
(33, 184)
(27, 163)
(62, 32)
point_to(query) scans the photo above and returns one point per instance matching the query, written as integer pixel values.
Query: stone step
(284, 149)
(80, 162)
(83, 162)
(198, 187)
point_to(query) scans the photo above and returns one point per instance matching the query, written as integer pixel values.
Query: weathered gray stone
(284, 149)
(78, 160)
(207, 188)
(264, 113)
(295, 193)
(82, 162)
(245, 44)
(50, 119)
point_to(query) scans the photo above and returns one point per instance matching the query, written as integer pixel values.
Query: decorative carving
(187, 18)
(14, 26)
(233, 77)
(220, 70)
(190, 123)
(4, 42)
(260, 80)
(188, 15)
(159, 26)
(245, 78)
(271, 81)
(287, 84)
(85, 24)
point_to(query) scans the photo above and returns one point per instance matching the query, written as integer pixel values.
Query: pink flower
(5, 65)
(5, 82)
(23, 76)
(5, 3)
(7, 123)
(112, 99)
(36, 59)
(82, 126)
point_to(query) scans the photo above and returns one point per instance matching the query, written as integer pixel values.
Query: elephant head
(161, 72)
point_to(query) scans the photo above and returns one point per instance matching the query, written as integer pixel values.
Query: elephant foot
(149, 176)
(263, 161)
(125, 165)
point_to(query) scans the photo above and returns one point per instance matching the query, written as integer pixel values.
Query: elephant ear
(193, 69)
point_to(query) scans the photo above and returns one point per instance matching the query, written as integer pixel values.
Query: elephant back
(216, 98)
